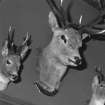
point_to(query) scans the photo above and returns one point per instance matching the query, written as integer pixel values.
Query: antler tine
(11, 33)
(95, 27)
(98, 69)
(101, 4)
(58, 12)
(26, 43)
(27, 40)
(9, 39)
(61, 2)
(25, 47)
(69, 18)
(97, 4)
(101, 77)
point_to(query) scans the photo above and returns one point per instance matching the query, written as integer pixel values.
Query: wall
(32, 16)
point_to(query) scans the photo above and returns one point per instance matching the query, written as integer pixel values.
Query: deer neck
(95, 101)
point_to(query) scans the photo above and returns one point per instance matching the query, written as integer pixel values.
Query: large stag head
(71, 35)
(11, 58)
(63, 50)
(66, 37)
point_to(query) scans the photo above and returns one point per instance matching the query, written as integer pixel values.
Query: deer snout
(75, 61)
(78, 60)
(14, 77)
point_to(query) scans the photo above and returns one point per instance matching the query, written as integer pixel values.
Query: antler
(64, 17)
(98, 4)
(25, 47)
(9, 44)
(100, 75)
(58, 12)
(10, 38)
(97, 26)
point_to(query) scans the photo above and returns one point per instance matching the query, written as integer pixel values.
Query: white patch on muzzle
(3, 82)
(73, 64)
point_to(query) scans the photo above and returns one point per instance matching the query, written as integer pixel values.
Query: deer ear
(53, 21)
(4, 50)
(95, 83)
(85, 35)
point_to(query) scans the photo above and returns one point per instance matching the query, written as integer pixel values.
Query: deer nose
(14, 77)
(77, 60)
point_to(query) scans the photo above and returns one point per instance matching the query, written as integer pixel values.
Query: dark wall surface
(32, 16)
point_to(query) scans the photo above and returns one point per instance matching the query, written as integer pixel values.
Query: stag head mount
(98, 88)
(64, 48)
(12, 57)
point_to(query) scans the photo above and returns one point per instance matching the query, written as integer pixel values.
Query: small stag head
(11, 58)
(98, 88)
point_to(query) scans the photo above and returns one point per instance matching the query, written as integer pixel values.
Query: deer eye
(63, 38)
(8, 62)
